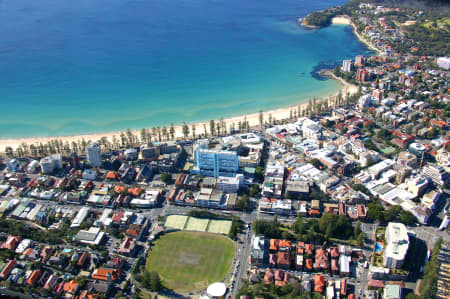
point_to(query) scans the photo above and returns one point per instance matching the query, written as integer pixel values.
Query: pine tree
(204, 130)
(144, 135)
(212, 127)
(165, 133)
(193, 131)
(172, 131)
(185, 130)
(261, 118)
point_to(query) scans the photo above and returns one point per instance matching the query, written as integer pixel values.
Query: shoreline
(302, 22)
(345, 20)
(252, 118)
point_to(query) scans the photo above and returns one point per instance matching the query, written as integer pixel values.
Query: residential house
(105, 274)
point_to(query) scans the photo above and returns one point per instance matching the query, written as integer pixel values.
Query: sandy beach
(345, 20)
(253, 119)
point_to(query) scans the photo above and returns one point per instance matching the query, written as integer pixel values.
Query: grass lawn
(219, 226)
(190, 261)
(176, 221)
(197, 224)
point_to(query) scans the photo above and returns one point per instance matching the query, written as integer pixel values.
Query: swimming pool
(378, 247)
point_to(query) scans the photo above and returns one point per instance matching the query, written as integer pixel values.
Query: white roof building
(377, 169)
(23, 246)
(443, 62)
(217, 289)
(103, 218)
(397, 245)
(32, 167)
(79, 218)
(344, 263)
(93, 236)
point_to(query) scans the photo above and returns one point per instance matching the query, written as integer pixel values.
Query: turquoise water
(71, 67)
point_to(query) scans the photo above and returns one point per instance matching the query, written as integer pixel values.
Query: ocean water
(87, 66)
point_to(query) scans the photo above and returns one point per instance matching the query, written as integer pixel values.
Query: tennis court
(197, 224)
(176, 221)
(219, 226)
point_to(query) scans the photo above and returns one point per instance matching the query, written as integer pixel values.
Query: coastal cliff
(303, 22)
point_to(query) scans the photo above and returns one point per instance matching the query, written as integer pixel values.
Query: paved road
(13, 294)
(243, 265)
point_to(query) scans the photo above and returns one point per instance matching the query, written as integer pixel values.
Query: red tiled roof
(135, 191)
(112, 175)
(319, 283)
(376, 284)
(82, 260)
(102, 274)
(119, 189)
(33, 277)
(11, 242)
(285, 244)
(272, 259)
(7, 269)
(309, 248)
(274, 243)
(321, 261)
(334, 252)
(283, 258)
(71, 287)
(309, 264)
